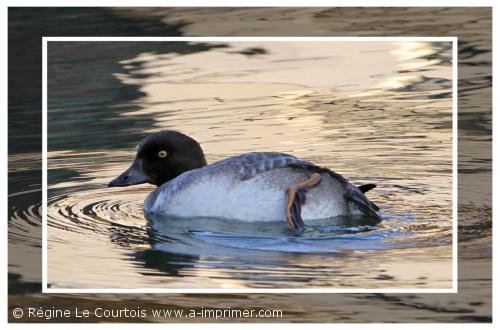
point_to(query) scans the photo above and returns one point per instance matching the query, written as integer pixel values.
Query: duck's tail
(367, 187)
(362, 203)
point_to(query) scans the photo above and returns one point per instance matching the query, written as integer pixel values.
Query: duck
(253, 186)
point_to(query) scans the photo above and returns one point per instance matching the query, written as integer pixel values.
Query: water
(377, 112)
(108, 96)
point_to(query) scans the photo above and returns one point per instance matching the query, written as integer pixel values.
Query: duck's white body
(251, 187)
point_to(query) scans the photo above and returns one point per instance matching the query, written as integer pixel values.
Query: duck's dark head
(161, 157)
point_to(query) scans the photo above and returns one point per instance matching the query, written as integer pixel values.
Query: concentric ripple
(93, 212)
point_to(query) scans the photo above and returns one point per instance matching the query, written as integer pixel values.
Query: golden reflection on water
(365, 110)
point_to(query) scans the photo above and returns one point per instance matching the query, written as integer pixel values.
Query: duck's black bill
(134, 175)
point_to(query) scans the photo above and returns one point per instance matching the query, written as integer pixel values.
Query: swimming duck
(254, 186)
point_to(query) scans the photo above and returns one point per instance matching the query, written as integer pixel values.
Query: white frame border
(453, 289)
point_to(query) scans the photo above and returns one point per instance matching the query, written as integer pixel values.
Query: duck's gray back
(247, 166)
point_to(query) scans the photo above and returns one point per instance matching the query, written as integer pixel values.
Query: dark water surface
(377, 112)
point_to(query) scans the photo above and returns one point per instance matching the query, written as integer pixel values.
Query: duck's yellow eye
(162, 154)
